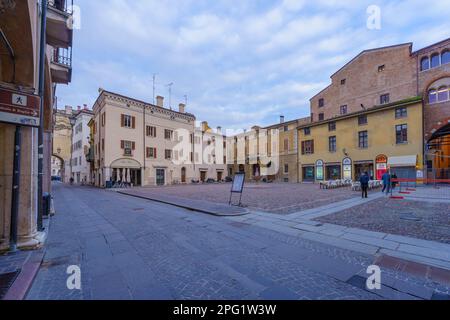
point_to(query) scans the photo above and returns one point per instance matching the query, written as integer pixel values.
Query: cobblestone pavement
(130, 248)
(282, 198)
(418, 219)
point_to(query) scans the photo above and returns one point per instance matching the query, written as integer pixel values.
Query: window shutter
(148, 152)
(122, 120)
(312, 146)
(133, 122)
(303, 147)
(122, 144)
(154, 153)
(133, 145)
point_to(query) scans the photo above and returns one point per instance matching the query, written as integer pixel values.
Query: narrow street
(129, 248)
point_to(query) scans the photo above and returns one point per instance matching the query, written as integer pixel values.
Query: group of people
(389, 182)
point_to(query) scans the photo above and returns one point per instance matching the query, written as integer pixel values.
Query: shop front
(126, 171)
(347, 168)
(363, 166)
(308, 173)
(333, 171)
(404, 167)
(381, 166)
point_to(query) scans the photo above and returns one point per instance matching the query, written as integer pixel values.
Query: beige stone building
(62, 140)
(20, 38)
(151, 145)
(211, 146)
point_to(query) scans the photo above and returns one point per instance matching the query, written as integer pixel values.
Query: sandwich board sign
(20, 108)
(238, 186)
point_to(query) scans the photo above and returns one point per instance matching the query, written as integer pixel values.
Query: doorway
(219, 176)
(202, 176)
(183, 175)
(160, 177)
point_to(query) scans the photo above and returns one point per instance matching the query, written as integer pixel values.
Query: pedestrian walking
(394, 181)
(364, 180)
(386, 182)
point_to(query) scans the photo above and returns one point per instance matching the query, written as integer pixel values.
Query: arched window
(432, 96)
(445, 57)
(443, 93)
(424, 64)
(435, 60)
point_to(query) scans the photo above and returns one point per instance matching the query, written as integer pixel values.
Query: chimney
(281, 119)
(85, 107)
(182, 108)
(205, 126)
(219, 130)
(78, 108)
(160, 101)
(69, 110)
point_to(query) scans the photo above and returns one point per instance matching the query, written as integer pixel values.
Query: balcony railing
(61, 5)
(62, 56)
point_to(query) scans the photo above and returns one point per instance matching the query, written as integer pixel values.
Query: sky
(239, 62)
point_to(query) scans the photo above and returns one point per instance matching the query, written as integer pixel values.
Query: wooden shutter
(312, 146)
(133, 145)
(133, 122)
(122, 120)
(303, 147)
(122, 144)
(154, 153)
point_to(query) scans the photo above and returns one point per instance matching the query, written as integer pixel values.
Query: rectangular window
(401, 112)
(343, 109)
(168, 154)
(128, 121)
(363, 139)
(362, 120)
(151, 131)
(332, 144)
(103, 144)
(168, 134)
(286, 168)
(321, 103)
(384, 98)
(343, 81)
(286, 144)
(381, 68)
(332, 126)
(128, 147)
(103, 119)
(286, 128)
(308, 147)
(307, 131)
(401, 133)
(151, 153)
(321, 116)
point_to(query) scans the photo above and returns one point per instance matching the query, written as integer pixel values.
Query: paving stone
(372, 241)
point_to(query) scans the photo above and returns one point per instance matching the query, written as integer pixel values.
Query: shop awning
(403, 161)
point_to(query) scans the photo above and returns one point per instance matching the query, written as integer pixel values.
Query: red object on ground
(410, 189)
(404, 192)
(397, 197)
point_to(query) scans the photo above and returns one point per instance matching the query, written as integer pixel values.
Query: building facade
(151, 145)
(80, 167)
(373, 141)
(62, 140)
(20, 44)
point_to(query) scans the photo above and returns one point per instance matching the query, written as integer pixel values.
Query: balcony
(59, 23)
(61, 65)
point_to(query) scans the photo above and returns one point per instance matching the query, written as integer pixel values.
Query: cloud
(239, 64)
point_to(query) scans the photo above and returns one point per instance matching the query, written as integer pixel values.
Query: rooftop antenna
(170, 94)
(185, 100)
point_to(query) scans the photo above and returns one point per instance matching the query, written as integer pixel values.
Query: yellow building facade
(385, 137)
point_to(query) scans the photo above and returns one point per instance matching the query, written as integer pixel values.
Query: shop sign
(17, 107)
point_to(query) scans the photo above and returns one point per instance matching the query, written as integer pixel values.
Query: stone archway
(58, 168)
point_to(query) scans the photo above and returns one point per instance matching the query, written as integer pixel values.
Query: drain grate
(6, 281)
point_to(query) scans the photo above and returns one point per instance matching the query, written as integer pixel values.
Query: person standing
(364, 180)
(386, 182)
(394, 181)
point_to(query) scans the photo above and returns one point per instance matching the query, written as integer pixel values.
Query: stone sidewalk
(368, 242)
